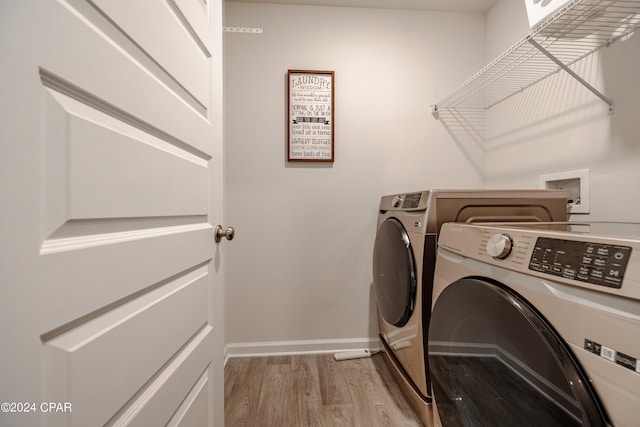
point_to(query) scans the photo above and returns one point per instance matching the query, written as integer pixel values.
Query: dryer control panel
(411, 201)
(598, 264)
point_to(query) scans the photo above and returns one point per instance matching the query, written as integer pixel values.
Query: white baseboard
(287, 348)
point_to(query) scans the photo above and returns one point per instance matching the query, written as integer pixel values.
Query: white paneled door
(111, 292)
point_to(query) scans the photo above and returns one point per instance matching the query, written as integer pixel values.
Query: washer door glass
(394, 277)
(495, 361)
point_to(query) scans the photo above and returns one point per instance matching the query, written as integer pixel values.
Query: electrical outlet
(577, 182)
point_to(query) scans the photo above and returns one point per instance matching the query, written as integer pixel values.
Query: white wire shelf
(572, 33)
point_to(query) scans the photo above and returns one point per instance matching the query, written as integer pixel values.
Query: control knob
(396, 201)
(499, 246)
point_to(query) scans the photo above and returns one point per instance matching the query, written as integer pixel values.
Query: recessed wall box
(577, 182)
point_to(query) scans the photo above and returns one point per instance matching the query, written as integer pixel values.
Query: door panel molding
(171, 384)
(119, 350)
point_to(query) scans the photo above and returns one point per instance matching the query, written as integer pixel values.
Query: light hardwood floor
(313, 390)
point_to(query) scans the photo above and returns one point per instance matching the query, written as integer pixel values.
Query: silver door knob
(220, 232)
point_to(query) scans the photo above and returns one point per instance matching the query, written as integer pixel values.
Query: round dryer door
(495, 361)
(394, 275)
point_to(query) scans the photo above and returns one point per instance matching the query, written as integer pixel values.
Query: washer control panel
(598, 264)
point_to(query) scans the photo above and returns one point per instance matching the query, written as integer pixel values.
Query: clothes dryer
(536, 325)
(403, 266)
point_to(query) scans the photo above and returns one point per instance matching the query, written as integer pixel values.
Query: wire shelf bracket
(573, 74)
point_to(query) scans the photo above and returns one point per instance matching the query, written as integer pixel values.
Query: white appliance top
(419, 200)
(602, 230)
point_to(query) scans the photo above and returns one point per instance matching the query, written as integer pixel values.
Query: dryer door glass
(394, 276)
(496, 362)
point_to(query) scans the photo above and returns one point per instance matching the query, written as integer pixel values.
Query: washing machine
(536, 325)
(403, 266)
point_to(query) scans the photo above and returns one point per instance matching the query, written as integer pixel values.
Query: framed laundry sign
(310, 116)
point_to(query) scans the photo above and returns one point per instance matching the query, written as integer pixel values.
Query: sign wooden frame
(310, 117)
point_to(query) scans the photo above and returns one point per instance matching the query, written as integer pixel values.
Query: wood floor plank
(244, 396)
(332, 377)
(313, 390)
(306, 391)
(390, 384)
(277, 384)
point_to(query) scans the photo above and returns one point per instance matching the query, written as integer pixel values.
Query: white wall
(300, 265)
(560, 126)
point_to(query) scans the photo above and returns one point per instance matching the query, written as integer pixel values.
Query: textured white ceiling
(444, 5)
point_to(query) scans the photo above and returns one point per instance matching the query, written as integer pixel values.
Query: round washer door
(394, 275)
(495, 361)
